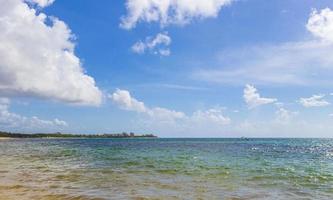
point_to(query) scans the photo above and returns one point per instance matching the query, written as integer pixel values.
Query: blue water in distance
(166, 169)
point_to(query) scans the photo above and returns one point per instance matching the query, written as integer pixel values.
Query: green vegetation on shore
(67, 135)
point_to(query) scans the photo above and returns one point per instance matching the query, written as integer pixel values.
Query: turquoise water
(166, 169)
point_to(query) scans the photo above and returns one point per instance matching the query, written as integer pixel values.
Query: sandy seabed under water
(99, 169)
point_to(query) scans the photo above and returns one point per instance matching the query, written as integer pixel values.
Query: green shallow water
(166, 169)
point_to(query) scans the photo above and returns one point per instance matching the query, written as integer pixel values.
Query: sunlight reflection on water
(166, 169)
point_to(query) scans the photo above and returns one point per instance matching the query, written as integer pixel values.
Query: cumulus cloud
(125, 101)
(10, 120)
(304, 62)
(157, 45)
(314, 101)
(37, 57)
(320, 24)
(167, 12)
(253, 98)
(41, 3)
(284, 116)
(211, 115)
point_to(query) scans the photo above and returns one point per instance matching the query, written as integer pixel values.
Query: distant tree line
(67, 135)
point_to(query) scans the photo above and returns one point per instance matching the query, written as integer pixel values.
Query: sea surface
(166, 169)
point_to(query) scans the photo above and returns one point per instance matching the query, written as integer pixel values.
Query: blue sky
(220, 68)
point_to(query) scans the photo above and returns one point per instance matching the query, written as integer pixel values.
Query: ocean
(166, 169)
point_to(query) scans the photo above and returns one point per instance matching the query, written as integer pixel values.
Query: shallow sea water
(232, 169)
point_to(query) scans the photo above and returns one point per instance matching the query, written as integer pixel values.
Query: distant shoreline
(8, 135)
(72, 138)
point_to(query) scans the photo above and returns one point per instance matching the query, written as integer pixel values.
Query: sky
(174, 68)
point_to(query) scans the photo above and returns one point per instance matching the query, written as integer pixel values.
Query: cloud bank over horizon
(203, 68)
(158, 117)
(10, 120)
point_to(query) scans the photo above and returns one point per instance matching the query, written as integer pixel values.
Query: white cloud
(164, 52)
(163, 114)
(331, 115)
(139, 47)
(209, 116)
(285, 123)
(293, 128)
(320, 24)
(284, 116)
(156, 45)
(9, 120)
(37, 58)
(314, 101)
(35, 122)
(124, 100)
(253, 98)
(161, 38)
(41, 3)
(167, 12)
(304, 62)
(214, 123)
(157, 116)
(295, 63)
(59, 122)
(176, 86)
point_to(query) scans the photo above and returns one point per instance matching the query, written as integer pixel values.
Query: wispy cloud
(179, 87)
(304, 62)
(314, 101)
(298, 63)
